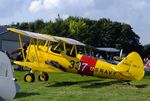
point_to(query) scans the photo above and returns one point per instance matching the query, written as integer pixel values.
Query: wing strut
(22, 50)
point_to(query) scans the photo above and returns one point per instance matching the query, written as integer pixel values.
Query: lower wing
(39, 66)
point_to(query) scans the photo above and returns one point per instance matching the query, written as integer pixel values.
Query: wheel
(29, 77)
(43, 76)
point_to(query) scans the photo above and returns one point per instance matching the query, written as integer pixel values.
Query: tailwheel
(29, 77)
(43, 76)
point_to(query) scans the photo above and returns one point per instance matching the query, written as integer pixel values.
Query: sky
(133, 12)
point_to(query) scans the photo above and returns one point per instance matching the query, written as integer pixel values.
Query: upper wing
(32, 34)
(70, 41)
(46, 37)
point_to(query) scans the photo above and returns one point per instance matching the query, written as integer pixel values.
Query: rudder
(132, 65)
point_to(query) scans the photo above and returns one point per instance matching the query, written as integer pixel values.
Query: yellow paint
(29, 78)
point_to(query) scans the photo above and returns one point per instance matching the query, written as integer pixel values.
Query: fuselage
(79, 64)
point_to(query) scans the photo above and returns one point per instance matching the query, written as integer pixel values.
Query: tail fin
(132, 65)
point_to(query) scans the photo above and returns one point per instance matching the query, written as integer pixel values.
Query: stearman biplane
(46, 53)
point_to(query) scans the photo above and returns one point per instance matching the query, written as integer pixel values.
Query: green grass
(72, 87)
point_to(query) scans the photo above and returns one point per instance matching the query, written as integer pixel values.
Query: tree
(31, 27)
(24, 26)
(146, 50)
(97, 33)
(38, 25)
(79, 30)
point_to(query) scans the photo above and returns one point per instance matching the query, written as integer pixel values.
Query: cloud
(10, 7)
(35, 6)
(133, 12)
(139, 4)
(40, 5)
(62, 6)
(114, 9)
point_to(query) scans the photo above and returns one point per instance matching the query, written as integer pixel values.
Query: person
(25, 46)
(20, 54)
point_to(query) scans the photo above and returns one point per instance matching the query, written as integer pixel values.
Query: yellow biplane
(47, 53)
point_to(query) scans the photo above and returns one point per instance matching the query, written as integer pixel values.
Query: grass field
(72, 87)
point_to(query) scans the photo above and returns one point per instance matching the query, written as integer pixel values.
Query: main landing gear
(30, 77)
(43, 76)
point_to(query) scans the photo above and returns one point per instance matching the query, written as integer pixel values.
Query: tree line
(97, 33)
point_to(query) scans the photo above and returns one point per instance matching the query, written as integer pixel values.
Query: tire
(29, 77)
(43, 76)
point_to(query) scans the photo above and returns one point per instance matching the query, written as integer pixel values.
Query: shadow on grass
(109, 83)
(102, 84)
(23, 94)
(141, 86)
(94, 84)
(88, 83)
(69, 83)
